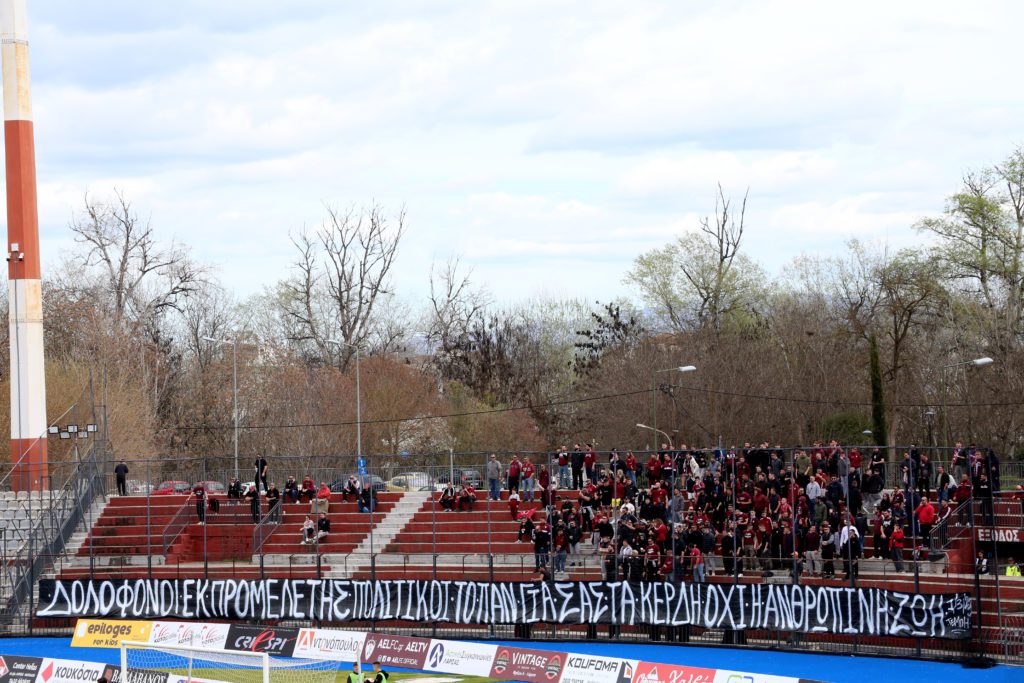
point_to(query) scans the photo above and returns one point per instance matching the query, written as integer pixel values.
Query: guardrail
(178, 523)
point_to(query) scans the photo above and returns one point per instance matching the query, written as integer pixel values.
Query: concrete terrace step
(391, 525)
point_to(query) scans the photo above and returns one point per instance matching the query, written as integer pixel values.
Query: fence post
(148, 488)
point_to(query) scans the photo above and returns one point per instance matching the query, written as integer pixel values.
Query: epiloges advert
(815, 609)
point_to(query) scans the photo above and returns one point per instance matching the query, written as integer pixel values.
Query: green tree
(701, 280)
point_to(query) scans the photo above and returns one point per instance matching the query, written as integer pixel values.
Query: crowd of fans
(683, 514)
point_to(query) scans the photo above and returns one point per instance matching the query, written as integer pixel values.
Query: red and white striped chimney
(28, 379)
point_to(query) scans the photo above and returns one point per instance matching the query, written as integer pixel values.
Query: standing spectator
(576, 464)
(925, 513)
(527, 479)
(274, 503)
(878, 463)
(812, 549)
(961, 495)
(873, 486)
(589, 461)
(261, 468)
(200, 494)
(828, 551)
(564, 478)
(697, 562)
(981, 564)
(924, 476)
(513, 505)
(1012, 568)
(121, 473)
(896, 543)
(631, 467)
(958, 461)
(515, 469)
(653, 469)
(541, 546)
(254, 502)
(983, 492)
(322, 502)
(494, 470)
(943, 482)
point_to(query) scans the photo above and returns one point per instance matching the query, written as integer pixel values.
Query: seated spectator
(234, 489)
(323, 527)
(308, 489)
(351, 488)
(291, 490)
(322, 502)
(526, 526)
(467, 496)
(308, 531)
(368, 499)
(448, 498)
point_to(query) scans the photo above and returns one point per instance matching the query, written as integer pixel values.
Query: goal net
(146, 663)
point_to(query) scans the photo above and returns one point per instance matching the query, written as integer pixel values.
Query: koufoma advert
(814, 609)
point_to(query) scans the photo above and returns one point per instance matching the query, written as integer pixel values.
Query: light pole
(359, 409)
(655, 429)
(234, 393)
(978, 363)
(654, 392)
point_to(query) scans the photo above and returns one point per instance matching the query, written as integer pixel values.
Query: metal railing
(182, 518)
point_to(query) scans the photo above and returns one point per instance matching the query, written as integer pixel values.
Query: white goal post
(194, 664)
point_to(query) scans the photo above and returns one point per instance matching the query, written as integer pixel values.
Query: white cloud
(536, 138)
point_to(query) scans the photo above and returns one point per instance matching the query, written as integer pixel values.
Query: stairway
(384, 532)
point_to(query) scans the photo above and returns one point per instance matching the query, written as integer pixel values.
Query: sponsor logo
(501, 661)
(410, 653)
(17, 669)
(275, 641)
(319, 643)
(595, 669)
(105, 633)
(113, 675)
(647, 672)
(528, 665)
(64, 671)
(471, 659)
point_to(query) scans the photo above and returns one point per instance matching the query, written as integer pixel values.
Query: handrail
(265, 528)
(177, 524)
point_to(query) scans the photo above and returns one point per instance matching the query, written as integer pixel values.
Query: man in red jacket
(926, 518)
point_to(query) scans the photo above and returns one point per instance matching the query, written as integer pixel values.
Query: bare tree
(141, 276)
(343, 276)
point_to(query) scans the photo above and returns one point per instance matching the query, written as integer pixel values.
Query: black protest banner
(814, 609)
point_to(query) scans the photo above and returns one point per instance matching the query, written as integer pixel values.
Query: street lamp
(977, 363)
(234, 392)
(654, 392)
(359, 411)
(655, 429)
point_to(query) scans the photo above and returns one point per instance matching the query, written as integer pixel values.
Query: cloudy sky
(547, 143)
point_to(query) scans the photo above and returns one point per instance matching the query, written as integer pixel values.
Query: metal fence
(426, 474)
